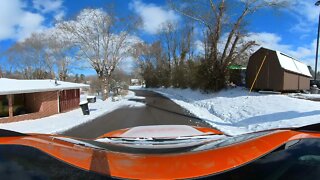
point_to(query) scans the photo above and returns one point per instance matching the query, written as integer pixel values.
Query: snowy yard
(64, 121)
(314, 97)
(235, 111)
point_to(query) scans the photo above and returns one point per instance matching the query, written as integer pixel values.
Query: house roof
(14, 86)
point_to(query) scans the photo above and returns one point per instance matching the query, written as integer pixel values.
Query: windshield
(153, 76)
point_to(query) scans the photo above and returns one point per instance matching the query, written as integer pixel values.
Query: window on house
(18, 105)
(4, 106)
(25, 103)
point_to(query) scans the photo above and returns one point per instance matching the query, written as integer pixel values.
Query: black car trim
(8, 133)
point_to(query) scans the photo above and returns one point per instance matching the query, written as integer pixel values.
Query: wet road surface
(158, 110)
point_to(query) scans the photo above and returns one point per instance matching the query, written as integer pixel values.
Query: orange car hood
(172, 165)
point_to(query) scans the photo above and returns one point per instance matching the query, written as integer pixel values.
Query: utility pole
(317, 50)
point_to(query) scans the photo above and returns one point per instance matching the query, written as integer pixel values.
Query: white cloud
(59, 16)
(153, 16)
(16, 22)
(29, 23)
(269, 40)
(199, 47)
(50, 6)
(306, 13)
(304, 53)
(127, 65)
(307, 9)
(47, 6)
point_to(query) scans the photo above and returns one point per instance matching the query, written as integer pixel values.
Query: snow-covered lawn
(64, 121)
(235, 111)
(314, 97)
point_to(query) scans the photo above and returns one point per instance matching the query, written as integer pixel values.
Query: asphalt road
(159, 110)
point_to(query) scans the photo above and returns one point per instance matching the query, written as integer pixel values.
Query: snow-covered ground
(136, 87)
(64, 121)
(314, 97)
(235, 111)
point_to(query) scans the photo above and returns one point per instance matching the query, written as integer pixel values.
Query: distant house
(279, 72)
(135, 82)
(32, 99)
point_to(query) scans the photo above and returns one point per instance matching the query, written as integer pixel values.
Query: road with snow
(158, 110)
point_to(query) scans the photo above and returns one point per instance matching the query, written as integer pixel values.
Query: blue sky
(291, 30)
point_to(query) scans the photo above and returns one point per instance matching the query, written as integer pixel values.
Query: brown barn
(33, 99)
(279, 72)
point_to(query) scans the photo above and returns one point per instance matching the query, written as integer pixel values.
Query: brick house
(33, 99)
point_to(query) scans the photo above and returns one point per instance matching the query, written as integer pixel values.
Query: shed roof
(291, 64)
(15, 86)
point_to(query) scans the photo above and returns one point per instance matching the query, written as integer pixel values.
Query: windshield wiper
(78, 142)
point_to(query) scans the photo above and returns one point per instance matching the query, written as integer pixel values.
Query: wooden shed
(278, 72)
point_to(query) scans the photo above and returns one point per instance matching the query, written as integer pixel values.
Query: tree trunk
(105, 87)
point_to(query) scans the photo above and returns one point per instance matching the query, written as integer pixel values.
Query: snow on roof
(14, 86)
(291, 64)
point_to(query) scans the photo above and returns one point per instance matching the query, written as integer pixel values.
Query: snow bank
(314, 97)
(64, 121)
(136, 87)
(235, 111)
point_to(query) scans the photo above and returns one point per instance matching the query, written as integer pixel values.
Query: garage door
(69, 99)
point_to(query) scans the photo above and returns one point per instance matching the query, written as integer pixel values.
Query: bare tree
(1, 72)
(178, 45)
(103, 40)
(32, 57)
(168, 37)
(61, 52)
(224, 33)
(153, 64)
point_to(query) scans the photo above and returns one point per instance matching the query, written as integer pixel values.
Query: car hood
(161, 137)
(122, 161)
